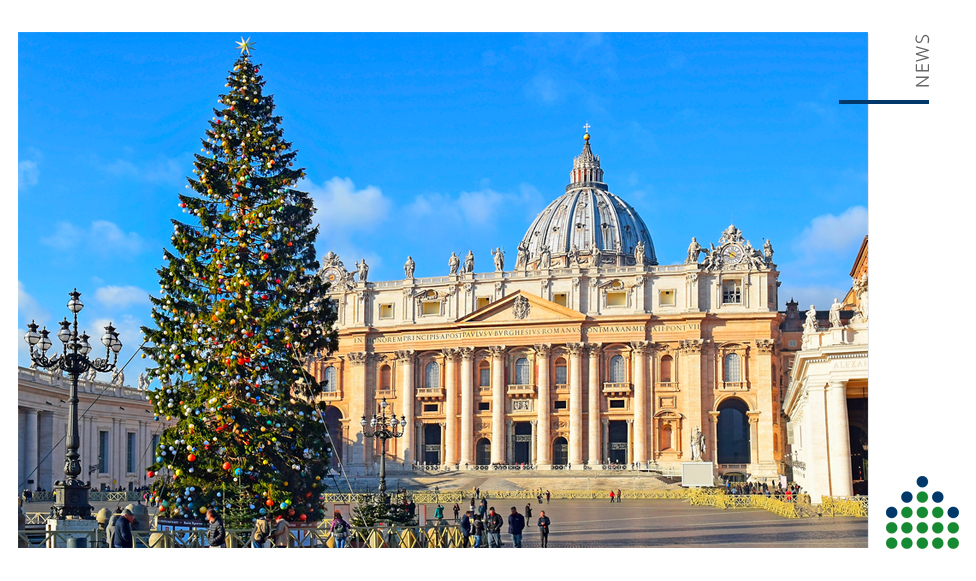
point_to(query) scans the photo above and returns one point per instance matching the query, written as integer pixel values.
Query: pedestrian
(215, 535)
(544, 528)
(465, 528)
(477, 492)
(339, 529)
(479, 530)
(611, 497)
(484, 507)
(493, 526)
(472, 509)
(439, 512)
(620, 497)
(457, 511)
(280, 534)
(547, 497)
(516, 523)
(122, 536)
(528, 510)
(262, 530)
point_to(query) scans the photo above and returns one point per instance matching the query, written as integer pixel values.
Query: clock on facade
(331, 275)
(732, 254)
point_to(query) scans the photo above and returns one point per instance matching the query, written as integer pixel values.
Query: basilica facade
(585, 353)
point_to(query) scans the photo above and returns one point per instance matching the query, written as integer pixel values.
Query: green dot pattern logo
(942, 535)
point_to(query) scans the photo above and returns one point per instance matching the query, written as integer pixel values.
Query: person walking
(611, 496)
(620, 496)
(528, 510)
(465, 528)
(544, 528)
(493, 526)
(122, 536)
(457, 511)
(439, 512)
(547, 497)
(479, 531)
(516, 523)
(262, 530)
(484, 508)
(339, 529)
(216, 537)
(280, 534)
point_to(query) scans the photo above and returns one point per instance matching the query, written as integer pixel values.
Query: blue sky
(423, 144)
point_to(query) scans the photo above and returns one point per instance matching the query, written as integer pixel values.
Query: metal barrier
(844, 505)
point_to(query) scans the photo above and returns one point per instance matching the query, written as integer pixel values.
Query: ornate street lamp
(384, 428)
(71, 496)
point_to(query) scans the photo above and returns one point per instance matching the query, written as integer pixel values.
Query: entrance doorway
(560, 451)
(733, 432)
(617, 436)
(482, 452)
(432, 444)
(333, 421)
(522, 447)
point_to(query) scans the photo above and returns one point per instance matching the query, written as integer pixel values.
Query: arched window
(433, 375)
(484, 374)
(522, 371)
(385, 378)
(331, 381)
(618, 369)
(732, 372)
(666, 369)
(560, 371)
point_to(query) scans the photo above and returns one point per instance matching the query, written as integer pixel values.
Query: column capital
(467, 353)
(640, 347)
(406, 355)
(595, 349)
(605, 421)
(451, 353)
(575, 349)
(497, 351)
(714, 416)
(691, 345)
(357, 358)
(837, 384)
(543, 349)
(534, 422)
(630, 422)
(754, 417)
(510, 422)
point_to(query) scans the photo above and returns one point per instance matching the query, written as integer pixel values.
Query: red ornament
(150, 474)
(269, 502)
(303, 517)
(226, 465)
(191, 457)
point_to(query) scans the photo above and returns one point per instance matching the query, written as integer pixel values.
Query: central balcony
(616, 389)
(521, 391)
(430, 393)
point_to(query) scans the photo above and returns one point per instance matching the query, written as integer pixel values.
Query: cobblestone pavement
(675, 523)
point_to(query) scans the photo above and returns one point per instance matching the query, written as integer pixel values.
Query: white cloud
(27, 174)
(342, 208)
(819, 295)
(833, 234)
(103, 238)
(28, 308)
(481, 209)
(543, 87)
(121, 296)
(163, 169)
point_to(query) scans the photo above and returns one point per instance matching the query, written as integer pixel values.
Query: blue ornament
(263, 511)
(284, 505)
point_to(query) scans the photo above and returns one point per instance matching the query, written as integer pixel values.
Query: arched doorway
(560, 451)
(733, 432)
(432, 444)
(482, 452)
(333, 421)
(617, 439)
(859, 460)
(522, 446)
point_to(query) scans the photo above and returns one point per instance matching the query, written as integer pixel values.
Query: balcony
(616, 389)
(430, 393)
(484, 389)
(521, 391)
(562, 387)
(387, 393)
(666, 386)
(734, 385)
(330, 395)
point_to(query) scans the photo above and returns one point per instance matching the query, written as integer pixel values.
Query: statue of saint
(118, 378)
(835, 315)
(409, 267)
(363, 270)
(469, 262)
(499, 256)
(697, 445)
(454, 262)
(596, 255)
(545, 257)
(694, 249)
(768, 252)
(522, 258)
(639, 255)
(573, 256)
(143, 382)
(810, 325)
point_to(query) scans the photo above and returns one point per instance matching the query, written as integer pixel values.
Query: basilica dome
(587, 224)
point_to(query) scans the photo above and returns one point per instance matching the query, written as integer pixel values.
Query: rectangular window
(130, 452)
(617, 404)
(792, 342)
(386, 311)
(732, 292)
(431, 408)
(667, 298)
(483, 302)
(103, 452)
(617, 299)
(431, 308)
(485, 377)
(561, 299)
(155, 448)
(560, 404)
(484, 406)
(560, 375)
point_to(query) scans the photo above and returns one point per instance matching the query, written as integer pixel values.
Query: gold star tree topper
(245, 46)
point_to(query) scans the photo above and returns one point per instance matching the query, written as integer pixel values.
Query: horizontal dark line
(884, 101)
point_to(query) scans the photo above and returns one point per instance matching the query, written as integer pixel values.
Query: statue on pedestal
(499, 256)
(835, 315)
(573, 256)
(469, 262)
(545, 257)
(810, 325)
(453, 263)
(522, 257)
(639, 253)
(694, 249)
(768, 252)
(409, 267)
(697, 445)
(363, 270)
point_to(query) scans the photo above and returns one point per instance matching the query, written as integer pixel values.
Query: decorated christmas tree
(240, 310)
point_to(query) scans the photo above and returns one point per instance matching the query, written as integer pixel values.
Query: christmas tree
(240, 310)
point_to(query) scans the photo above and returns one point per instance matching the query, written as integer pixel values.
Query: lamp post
(71, 495)
(384, 428)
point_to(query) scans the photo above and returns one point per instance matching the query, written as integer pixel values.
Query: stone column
(443, 426)
(593, 415)
(838, 439)
(640, 400)
(630, 439)
(420, 441)
(410, 437)
(467, 405)
(450, 407)
(510, 439)
(497, 404)
(544, 456)
(575, 405)
(713, 416)
(754, 436)
(359, 405)
(606, 441)
(30, 445)
(532, 444)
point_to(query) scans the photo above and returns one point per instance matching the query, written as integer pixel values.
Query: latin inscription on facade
(456, 335)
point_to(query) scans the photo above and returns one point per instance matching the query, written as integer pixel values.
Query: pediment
(520, 307)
